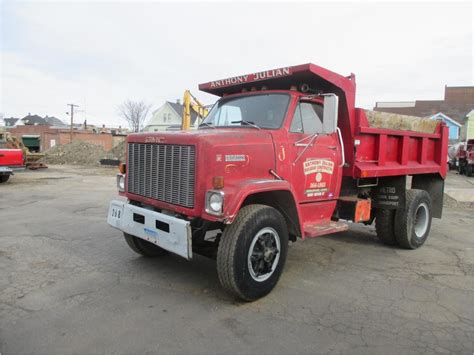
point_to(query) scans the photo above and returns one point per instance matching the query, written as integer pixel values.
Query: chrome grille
(163, 172)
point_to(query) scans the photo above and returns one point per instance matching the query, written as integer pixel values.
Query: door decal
(318, 174)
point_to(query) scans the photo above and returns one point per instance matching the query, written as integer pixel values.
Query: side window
(308, 118)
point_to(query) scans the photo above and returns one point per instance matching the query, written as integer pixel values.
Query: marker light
(122, 168)
(218, 182)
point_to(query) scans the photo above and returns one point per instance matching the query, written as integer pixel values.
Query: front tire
(252, 252)
(143, 247)
(412, 224)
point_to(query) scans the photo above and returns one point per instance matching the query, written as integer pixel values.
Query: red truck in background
(10, 160)
(283, 155)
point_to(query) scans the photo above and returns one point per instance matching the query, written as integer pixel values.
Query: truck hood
(214, 136)
(236, 153)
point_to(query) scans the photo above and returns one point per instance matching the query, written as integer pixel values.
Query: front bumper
(10, 169)
(170, 233)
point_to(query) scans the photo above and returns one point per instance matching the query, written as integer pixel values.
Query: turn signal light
(122, 168)
(218, 182)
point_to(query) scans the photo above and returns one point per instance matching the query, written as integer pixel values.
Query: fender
(251, 187)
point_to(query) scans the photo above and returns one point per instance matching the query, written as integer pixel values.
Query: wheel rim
(264, 254)
(421, 220)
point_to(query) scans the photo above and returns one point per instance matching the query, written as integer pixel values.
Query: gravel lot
(70, 284)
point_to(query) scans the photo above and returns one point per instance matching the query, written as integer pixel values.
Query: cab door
(315, 155)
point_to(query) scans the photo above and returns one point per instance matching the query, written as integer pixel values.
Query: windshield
(264, 111)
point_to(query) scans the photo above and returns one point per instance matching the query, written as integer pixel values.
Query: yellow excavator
(191, 103)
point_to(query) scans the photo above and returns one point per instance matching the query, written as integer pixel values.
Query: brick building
(47, 137)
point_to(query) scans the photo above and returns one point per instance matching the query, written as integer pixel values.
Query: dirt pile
(118, 152)
(401, 122)
(81, 153)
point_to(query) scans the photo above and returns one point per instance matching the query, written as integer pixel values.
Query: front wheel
(252, 252)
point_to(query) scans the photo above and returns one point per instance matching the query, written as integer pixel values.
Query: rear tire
(384, 226)
(143, 247)
(412, 224)
(469, 170)
(252, 252)
(4, 178)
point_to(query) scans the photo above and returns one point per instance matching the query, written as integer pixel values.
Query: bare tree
(135, 113)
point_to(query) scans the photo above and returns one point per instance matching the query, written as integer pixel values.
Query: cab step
(312, 230)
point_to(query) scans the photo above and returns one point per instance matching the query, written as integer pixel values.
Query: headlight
(121, 182)
(214, 202)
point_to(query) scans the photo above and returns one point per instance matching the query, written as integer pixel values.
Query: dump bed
(374, 146)
(391, 144)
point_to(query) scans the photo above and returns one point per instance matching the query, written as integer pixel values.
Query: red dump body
(369, 151)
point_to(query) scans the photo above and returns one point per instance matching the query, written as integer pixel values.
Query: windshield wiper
(206, 124)
(248, 123)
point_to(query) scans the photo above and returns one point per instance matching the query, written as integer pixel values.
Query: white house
(168, 117)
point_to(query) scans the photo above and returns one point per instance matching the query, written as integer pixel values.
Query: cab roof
(317, 78)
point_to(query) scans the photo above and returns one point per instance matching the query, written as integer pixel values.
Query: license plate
(115, 214)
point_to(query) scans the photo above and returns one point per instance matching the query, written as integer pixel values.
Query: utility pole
(72, 118)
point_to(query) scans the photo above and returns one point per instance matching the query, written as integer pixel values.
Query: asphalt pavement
(69, 284)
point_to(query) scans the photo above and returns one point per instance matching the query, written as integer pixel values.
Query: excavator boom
(190, 102)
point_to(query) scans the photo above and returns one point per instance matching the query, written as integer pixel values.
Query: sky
(99, 54)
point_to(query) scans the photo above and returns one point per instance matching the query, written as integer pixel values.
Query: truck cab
(283, 155)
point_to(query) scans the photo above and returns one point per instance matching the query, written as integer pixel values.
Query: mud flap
(390, 193)
(434, 185)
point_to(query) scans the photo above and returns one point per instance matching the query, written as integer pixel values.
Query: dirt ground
(70, 285)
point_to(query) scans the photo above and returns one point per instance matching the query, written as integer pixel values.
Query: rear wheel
(252, 252)
(143, 247)
(469, 170)
(412, 224)
(4, 178)
(384, 226)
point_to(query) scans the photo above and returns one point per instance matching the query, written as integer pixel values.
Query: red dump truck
(283, 155)
(10, 160)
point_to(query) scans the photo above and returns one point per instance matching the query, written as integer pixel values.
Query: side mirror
(331, 104)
